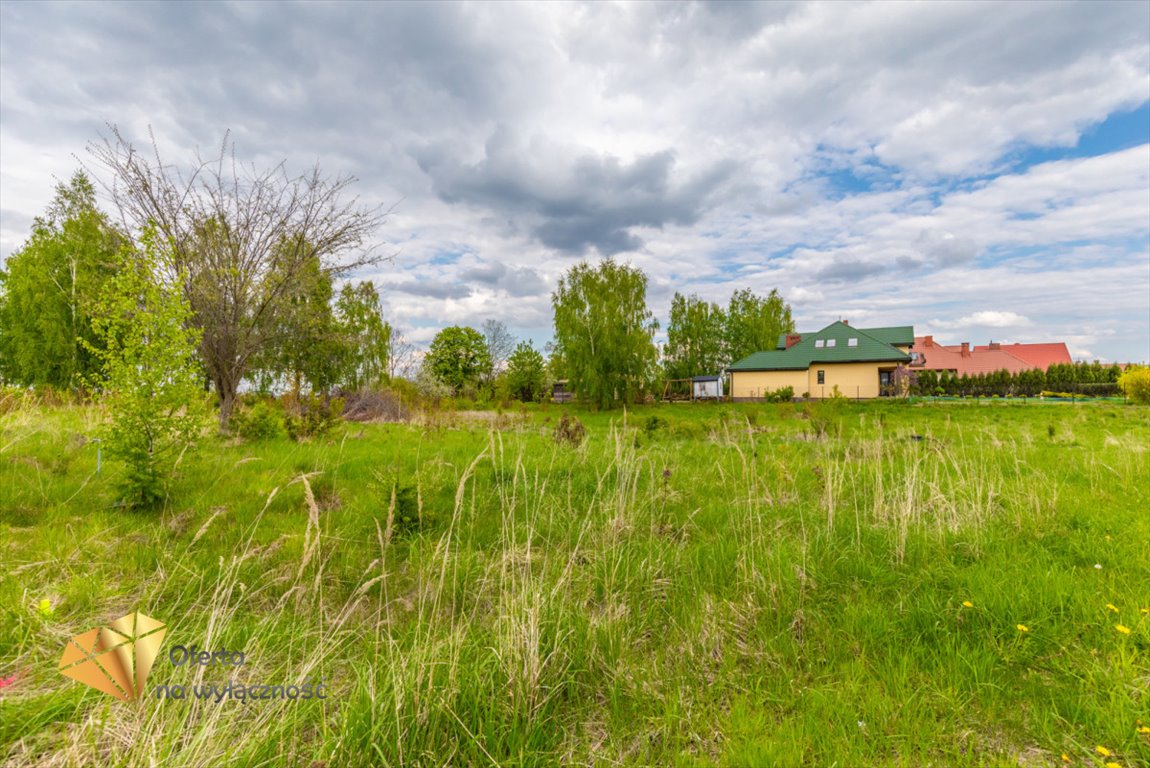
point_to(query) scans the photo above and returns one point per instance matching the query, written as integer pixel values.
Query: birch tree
(604, 332)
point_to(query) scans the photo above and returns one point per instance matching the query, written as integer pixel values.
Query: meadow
(851, 584)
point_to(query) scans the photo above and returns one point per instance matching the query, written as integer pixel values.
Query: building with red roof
(962, 359)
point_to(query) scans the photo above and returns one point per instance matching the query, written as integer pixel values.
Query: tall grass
(742, 586)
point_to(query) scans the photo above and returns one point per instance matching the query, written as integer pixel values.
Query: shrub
(310, 415)
(373, 405)
(1135, 384)
(407, 517)
(781, 395)
(653, 425)
(262, 421)
(150, 377)
(569, 430)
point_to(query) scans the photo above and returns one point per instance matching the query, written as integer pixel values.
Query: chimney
(793, 339)
(995, 345)
(966, 349)
(928, 341)
(846, 322)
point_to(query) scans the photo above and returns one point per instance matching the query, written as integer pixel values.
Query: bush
(1135, 384)
(1062, 395)
(781, 395)
(310, 415)
(653, 425)
(372, 405)
(407, 517)
(150, 376)
(569, 430)
(262, 421)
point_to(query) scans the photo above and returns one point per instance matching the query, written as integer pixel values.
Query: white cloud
(988, 319)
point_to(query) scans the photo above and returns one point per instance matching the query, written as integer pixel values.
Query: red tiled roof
(1037, 355)
(984, 359)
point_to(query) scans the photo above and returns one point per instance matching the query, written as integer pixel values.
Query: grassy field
(795, 585)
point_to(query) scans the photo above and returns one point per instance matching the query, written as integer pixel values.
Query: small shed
(707, 388)
(560, 393)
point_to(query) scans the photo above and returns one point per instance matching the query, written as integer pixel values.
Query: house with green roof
(842, 359)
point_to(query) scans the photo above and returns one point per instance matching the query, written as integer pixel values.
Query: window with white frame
(819, 343)
(830, 342)
(852, 342)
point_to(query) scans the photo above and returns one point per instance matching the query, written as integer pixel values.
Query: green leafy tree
(305, 345)
(49, 290)
(603, 332)
(458, 358)
(367, 336)
(147, 348)
(694, 338)
(526, 373)
(754, 323)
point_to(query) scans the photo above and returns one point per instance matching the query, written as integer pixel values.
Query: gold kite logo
(115, 659)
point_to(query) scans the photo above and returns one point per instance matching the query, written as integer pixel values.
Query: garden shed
(707, 388)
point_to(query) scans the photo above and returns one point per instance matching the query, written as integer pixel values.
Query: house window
(854, 342)
(819, 343)
(822, 377)
(830, 342)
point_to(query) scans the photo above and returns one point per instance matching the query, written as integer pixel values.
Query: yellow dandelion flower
(1146, 610)
(1112, 607)
(1023, 628)
(967, 604)
(45, 607)
(1112, 765)
(1103, 751)
(1144, 730)
(1065, 758)
(1124, 630)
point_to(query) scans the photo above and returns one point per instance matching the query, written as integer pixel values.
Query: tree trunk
(227, 393)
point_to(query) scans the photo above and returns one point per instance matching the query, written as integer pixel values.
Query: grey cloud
(431, 289)
(573, 204)
(945, 249)
(844, 269)
(517, 281)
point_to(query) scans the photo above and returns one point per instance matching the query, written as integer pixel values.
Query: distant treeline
(1090, 379)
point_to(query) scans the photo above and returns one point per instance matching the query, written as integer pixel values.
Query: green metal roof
(895, 334)
(869, 348)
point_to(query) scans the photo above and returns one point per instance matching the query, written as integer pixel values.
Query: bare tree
(239, 239)
(404, 362)
(500, 343)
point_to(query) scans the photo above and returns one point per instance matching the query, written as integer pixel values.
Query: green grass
(694, 585)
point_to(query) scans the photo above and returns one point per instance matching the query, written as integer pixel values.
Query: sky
(980, 171)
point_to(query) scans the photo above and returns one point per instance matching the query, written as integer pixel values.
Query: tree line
(256, 257)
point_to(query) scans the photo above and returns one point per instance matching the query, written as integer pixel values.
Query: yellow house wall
(853, 379)
(760, 383)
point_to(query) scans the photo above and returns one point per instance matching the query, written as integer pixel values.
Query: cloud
(944, 249)
(516, 281)
(572, 199)
(849, 269)
(430, 288)
(889, 162)
(987, 319)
